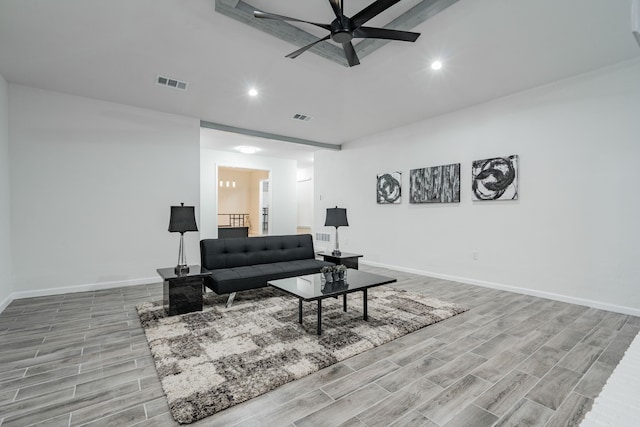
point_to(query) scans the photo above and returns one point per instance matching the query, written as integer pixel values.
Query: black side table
(345, 258)
(183, 292)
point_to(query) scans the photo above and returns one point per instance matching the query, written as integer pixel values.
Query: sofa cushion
(230, 253)
(233, 279)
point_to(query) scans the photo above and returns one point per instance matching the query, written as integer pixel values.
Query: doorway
(242, 202)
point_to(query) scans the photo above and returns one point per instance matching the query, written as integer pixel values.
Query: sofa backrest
(237, 252)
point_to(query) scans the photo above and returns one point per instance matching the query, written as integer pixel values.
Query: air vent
(301, 117)
(169, 82)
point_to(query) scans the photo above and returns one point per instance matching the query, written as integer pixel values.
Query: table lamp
(182, 219)
(336, 217)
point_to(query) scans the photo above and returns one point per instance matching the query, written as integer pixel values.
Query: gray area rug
(211, 360)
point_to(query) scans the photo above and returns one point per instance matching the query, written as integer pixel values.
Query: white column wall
(573, 234)
(305, 197)
(283, 208)
(92, 183)
(6, 286)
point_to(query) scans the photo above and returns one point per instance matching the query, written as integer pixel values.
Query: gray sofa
(239, 264)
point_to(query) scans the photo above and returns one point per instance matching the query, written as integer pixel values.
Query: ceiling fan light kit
(344, 29)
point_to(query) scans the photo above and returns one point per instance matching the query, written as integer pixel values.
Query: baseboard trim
(83, 288)
(526, 291)
(492, 285)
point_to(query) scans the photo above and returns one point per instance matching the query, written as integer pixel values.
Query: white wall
(573, 234)
(91, 187)
(282, 187)
(305, 197)
(6, 286)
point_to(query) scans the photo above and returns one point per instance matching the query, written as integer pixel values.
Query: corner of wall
(6, 279)
(5, 303)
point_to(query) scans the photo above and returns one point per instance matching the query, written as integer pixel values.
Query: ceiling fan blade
(350, 53)
(297, 53)
(335, 5)
(265, 15)
(383, 33)
(372, 10)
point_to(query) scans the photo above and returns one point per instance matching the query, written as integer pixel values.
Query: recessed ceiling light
(436, 65)
(245, 149)
(253, 92)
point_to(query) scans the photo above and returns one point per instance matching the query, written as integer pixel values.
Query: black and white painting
(389, 188)
(437, 184)
(495, 179)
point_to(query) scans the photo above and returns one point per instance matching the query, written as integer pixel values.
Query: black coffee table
(313, 288)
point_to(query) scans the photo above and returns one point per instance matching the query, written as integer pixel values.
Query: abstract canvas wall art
(495, 179)
(389, 188)
(437, 184)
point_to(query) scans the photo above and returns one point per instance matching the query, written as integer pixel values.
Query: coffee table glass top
(312, 286)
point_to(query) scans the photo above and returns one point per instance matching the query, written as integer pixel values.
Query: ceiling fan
(343, 29)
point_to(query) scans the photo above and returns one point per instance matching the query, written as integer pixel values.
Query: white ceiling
(114, 50)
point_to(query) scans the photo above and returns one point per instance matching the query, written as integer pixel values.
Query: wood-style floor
(82, 359)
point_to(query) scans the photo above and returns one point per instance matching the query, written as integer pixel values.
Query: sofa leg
(232, 295)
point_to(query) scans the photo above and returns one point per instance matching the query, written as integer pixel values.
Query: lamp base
(336, 252)
(181, 269)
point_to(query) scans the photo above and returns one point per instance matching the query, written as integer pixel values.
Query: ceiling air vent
(169, 82)
(301, 117)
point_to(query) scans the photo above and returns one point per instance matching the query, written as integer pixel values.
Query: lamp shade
(182, 219)
(336, 217)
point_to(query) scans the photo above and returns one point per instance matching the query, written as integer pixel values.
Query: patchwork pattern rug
(211, 360)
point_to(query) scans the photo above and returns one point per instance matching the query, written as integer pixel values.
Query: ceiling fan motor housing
(342, 32)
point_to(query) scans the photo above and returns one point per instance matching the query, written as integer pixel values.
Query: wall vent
(301, 117)
(169, 82)
(323, 237)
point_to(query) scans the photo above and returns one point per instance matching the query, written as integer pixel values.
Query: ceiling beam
(260, 134)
